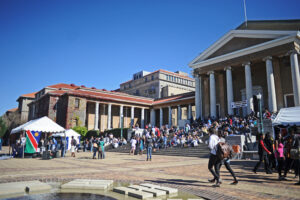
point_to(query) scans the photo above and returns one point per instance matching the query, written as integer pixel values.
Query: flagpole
(245, 13)
(23, 143)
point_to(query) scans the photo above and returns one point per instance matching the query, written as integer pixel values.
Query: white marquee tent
(288, 117)
(43, 124)
(68, 134)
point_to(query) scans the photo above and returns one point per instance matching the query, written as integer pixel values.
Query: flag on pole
(32, 141)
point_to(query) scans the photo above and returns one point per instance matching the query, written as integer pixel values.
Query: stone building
(23, 108)
(158, 84)
(256, 57)
(98, 109)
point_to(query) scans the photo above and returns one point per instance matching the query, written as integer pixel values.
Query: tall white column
(190, 112)
(109, 116)
(121, 115)
(271, 85)
(295, 77)
(96, 127)
(229, 90)
(198, 96)
(212, 92)
(178, 114)
(132, 116)
(143, 118)
(152, 117)
(170, 116)
(160, 117)
(249, 94)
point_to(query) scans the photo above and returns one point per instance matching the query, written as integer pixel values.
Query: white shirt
(133, 142)
(212, 143)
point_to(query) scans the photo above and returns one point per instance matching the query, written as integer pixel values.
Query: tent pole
(23, 144)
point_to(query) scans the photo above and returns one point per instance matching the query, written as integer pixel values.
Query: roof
(12, 110)
(64, 85)
(109, 96)
(291, 24)
(30, 95)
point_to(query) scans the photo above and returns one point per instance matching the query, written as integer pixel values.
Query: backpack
(74, 142)
(224, 150)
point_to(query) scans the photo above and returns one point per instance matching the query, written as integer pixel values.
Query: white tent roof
(43, 124)
(69, 133)
(288, 117)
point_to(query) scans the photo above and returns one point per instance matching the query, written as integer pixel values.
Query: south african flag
(32, 141)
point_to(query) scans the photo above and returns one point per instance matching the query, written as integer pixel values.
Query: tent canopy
(288, 117)
(68, 133)
(43, 124)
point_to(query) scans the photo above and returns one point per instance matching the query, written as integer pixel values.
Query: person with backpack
(73, 146)
(214, 161)
(224, 153)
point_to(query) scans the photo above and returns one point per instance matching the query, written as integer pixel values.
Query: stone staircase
(200, 151)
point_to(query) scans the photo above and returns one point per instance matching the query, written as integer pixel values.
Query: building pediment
(237, 40)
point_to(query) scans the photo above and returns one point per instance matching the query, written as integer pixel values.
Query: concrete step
(166, 189)
(155, 192)
(133, 192)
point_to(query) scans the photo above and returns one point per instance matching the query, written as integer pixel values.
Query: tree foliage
(82, 130)
(3, 127)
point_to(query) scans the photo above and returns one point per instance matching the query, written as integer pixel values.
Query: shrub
(94, 133)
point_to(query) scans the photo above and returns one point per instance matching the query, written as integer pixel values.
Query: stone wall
(76, 116)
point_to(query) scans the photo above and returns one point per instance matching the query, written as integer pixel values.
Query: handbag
(295, 153)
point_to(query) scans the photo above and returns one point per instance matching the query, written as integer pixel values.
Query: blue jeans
(149, 153)
(103, 154)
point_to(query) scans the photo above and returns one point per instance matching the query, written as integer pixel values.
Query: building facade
(260, 57)
(158, 84)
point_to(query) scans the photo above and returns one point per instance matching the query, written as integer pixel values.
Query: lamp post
(260, 113)
(121, 127)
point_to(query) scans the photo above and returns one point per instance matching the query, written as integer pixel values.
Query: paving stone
(18, 188)
(155, 192)
(167, 189)
(86, 184)
(133, 192)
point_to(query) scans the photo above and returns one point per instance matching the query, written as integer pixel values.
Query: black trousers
(214, 162)
(288, 165)
(228, 167)
(280, 166)
(263, 157)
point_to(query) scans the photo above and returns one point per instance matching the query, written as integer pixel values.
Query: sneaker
(217, 185)
(211, 180)
(235, 182)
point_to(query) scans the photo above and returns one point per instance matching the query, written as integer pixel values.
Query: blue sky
(102, 43)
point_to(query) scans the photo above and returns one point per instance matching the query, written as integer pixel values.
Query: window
(289, 100)
(137, 92)
(77, 103)
(146, 79)
(152, 77)
(129, 85)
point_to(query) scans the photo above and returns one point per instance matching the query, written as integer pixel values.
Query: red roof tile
(110, 96)
(12, 110)
(173, 98)
(64, 85)
(30, 95)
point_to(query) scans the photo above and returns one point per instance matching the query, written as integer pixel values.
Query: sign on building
(239, 104)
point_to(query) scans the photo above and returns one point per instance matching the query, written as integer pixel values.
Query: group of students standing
(279, 154)
(98, 146)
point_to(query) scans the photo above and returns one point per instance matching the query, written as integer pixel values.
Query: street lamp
(121, 127)
(260, 113)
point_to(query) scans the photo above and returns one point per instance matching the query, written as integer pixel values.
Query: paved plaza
(185, 173)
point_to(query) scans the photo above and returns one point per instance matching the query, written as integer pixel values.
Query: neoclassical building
(256, 57)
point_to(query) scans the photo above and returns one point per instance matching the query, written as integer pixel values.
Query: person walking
(133, 145)
(263, 153)
(214, 162)
(149, 146)
(226, 161)
(296, 145)
(102, 147)
(279, 155)
(95, 148)
(73, 146)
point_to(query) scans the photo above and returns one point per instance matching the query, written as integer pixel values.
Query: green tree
(3, 127)
(82, 130)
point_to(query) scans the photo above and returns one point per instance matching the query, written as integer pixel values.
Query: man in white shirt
(213, 159)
